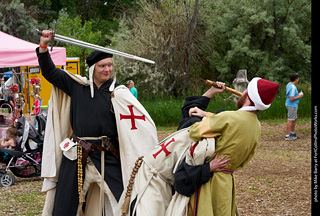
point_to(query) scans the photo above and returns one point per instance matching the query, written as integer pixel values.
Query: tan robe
(237, 134)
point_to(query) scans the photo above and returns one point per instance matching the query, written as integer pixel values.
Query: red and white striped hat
(262, 92)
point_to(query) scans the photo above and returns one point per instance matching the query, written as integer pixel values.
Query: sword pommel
(37, 32)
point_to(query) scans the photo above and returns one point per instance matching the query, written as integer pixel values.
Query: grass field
(166, 112)
(276, 181)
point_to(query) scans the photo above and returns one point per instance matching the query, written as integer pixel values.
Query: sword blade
(80, 43)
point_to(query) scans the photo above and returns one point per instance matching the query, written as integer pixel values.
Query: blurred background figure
(133, 90)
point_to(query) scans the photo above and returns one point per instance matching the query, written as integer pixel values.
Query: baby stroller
(25, 160)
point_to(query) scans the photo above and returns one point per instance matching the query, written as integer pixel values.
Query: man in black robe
(91, 115)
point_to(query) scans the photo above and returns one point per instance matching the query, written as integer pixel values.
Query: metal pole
(84, 60)
(14, 73)
(29, 108)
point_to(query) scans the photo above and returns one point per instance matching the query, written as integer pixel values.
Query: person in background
(10, 140)
(21, 105)
(133, 90)
(292, 102)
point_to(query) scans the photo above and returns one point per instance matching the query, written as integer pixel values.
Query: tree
(270, 39)
(191, 23)
(102, 14)
(192, 39)
(164, 31)
(72, 27)
(17, 20)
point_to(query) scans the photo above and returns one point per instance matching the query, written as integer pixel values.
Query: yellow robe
(237, 134)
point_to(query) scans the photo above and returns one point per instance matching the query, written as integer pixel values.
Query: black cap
(96, 56)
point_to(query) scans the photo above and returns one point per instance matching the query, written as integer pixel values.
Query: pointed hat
(262, 92)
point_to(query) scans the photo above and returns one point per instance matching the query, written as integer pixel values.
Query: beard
(242, 99)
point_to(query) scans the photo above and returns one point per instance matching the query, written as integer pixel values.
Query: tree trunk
(191, 25)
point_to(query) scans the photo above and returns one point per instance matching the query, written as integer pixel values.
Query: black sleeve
(189, 178)
(54, 75)
(193, 101)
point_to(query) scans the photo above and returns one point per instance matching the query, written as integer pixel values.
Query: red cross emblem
(66, 145)
(164, 148)
(192, 148)
(132, 116)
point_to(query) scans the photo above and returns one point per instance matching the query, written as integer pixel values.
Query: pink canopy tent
(17, 52)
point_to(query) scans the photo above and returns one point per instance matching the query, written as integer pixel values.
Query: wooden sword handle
(211, 83)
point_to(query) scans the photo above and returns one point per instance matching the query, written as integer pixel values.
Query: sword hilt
(209, 82)
(38, 32)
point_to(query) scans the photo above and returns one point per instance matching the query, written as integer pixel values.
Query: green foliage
(189, 40)
(102, 14)
(17, 20)
(270, 39)
(166, 111)
(72, 27)
(157, 32)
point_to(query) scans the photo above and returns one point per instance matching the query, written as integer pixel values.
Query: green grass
(23, 198)
(166, 112)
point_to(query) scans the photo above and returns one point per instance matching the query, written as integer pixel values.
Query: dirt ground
(277, 180)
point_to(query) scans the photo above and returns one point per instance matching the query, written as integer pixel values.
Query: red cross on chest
(132, 117)
(163, 148)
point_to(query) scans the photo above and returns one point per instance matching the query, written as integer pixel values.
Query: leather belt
(227, 171)
(88, 147)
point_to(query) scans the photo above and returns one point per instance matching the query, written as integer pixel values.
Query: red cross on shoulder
(164, 148)
(132, 117)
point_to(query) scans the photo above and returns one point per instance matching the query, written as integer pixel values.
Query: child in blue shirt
(292, 102)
